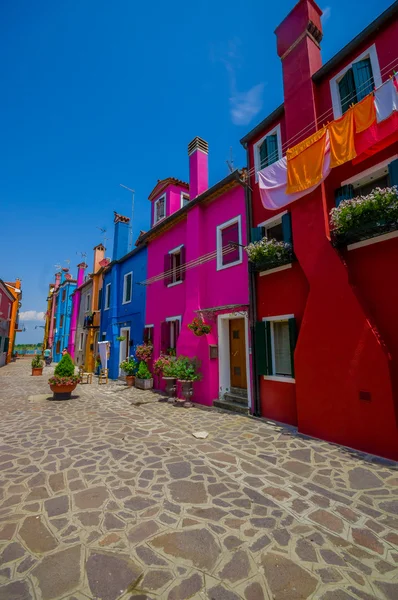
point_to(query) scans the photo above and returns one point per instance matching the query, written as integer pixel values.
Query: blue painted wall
(64, 307)
(119, 315)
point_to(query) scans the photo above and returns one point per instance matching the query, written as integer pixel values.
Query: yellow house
(100, 262)
(15, 288)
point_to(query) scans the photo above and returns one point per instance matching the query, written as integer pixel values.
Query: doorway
(233, 356)
(237, 354)
(124, 348)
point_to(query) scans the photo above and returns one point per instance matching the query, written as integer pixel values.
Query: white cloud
(31, 315)
(327, 11)
(246, 105)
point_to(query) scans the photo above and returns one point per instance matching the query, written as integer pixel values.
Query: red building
(326, 326)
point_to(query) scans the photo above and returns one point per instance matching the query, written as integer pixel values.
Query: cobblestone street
(102, 498)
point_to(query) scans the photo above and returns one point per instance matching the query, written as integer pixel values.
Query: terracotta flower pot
(36, 371)
(62, 392)
(130, 379)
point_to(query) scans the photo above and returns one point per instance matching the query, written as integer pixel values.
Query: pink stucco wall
(203, 287)
(173, 200)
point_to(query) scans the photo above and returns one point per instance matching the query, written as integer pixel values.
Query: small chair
(103, 376)
(85, 376)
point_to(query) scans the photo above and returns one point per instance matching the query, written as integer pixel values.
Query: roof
(125, 257)
(274, 116)
(213, 192)
(163, 183)
(386, 17)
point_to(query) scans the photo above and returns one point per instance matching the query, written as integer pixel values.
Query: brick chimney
(298, 45)
(198, 151)
(121, 236)
(99, 253)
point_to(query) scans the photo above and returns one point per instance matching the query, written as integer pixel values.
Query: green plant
(160, 364)
(170, 369)
(129, 366)
(186, 369)
(269, 252)
(64, 373)
(171, 351)
(143, 371)
(37, 362)
(121, 338)
(199, 327)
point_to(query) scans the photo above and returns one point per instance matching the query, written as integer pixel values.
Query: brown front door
(237, 353)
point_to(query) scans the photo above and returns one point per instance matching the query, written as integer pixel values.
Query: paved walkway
(103, 499)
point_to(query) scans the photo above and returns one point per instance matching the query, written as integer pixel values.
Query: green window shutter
(263, 154)
(272, 148)
(100, 299)
(257, 234)
(0, 342)
(6, 344)
(268, 347)
(393, 172)
(344, 193)
(263, 348)
(292, 340)
(347, 91)
(287, 228)
(363, 78)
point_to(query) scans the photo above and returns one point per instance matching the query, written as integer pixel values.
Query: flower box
(144, 384)
(269, 254)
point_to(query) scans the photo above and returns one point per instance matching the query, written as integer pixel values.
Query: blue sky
(98, 93)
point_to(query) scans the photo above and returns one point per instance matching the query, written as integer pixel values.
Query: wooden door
(237, 353)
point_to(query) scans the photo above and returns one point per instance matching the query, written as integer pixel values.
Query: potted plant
(170, 375)
(143, 378)
(121, 338)
(64, 379)
(37, 366)
(199, 327)
(144, 352)
(129, 366)
(186, 370)
(269, 254)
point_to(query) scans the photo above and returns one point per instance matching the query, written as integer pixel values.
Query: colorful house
(51, 314)
(197, 268)
(63, 313)
(326, 351)
(7, 301)
(123, 298)
(14, 287)
(48, 316)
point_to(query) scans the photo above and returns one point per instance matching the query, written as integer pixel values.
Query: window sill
(279, 378)
(126, 302)
(222, 267)
(275, 270)
(107, 308)
(175, 283)
(374, 240)
(158, 221)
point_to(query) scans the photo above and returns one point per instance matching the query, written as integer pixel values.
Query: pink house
(197, 267)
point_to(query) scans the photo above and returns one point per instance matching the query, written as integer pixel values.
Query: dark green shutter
(268, 347)
(99, 299)
(347, 91)
(292, 341)
(393, 172)
(263, 154)
(287, 228)
(363, 78)
(6, 344)
(346, 192)
(257, 234)
(263, 348)
(272, 148)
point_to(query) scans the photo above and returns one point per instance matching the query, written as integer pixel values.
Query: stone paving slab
(110, 496)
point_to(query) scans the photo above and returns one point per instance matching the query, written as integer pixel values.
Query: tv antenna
(230, 162)
(58, 266)
(132, 213)
(83, 255)
(67, 262)
(103, 231)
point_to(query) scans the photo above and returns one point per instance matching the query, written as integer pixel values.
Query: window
(61, 321)
(63, 295)
(174, 262)
(127, 287)
(88, 302)
(81, 341)
(355, 81)
(275, 344)
(170, 330)
(184, 199)
(268, 150)
(58, 347)
(148, 334)
(380, 175)
(229, 244)
(107, 296)
(278, 228)
(160, 209)
(103, 336)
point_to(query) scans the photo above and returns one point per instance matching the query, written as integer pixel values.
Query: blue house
(123, 298)
(63, 312)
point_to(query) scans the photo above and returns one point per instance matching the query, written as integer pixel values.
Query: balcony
(266, 255)
(92, 320)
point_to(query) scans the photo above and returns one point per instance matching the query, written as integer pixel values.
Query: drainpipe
(252, 299)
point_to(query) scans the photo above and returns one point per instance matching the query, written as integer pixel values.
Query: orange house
(14, 287)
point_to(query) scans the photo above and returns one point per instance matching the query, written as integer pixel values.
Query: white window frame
(364, 174)
(88, 302)
(370, 53)
(182, 198)
(256, 147)
(168, 319)
(174, 251)
(276, 220)
(155, 212)
(220, 228)
(107, 299)
(272, 320)
(125, 288)
(81, 341)
(150, 327)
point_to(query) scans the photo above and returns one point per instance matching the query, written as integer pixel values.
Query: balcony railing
(92, 320)
(365, 232)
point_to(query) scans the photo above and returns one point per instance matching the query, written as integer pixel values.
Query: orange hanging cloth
(341, 135)
(305, 163)
(364, 113)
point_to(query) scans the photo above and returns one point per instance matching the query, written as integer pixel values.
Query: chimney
(121, 236)
(64, 272)
(81, 267)
(298, 45)
(198, 151)
(99, 253)
(57, 280)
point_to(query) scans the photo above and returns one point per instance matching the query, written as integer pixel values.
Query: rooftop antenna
(230, 162)
(132, 213)
(83, 255)
(103, 231)
(67, 262)
(58, 266)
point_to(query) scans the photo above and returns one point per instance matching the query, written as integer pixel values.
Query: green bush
(170, 369)
(143, 371)
(37, 362)
(129, 366)
(186, 369)
(65, 367)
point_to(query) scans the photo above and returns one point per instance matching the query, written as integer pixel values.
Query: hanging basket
(198, 327)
